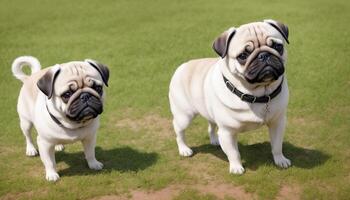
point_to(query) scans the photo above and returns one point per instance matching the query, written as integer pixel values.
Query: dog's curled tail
(22, 61)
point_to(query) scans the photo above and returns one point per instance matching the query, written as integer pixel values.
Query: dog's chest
(56, 133)
(59, 135)
(69, 136)
(245, 118)
(229, 110)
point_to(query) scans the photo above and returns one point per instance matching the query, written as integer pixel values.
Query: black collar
(250, 98)
(54, 118)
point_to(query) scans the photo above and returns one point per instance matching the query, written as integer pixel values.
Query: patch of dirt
(289, 192)
(305, 121)
(167, 193)
(109, 197)
(23, 195)
(6, 150)
(37, 171)
(219, 190)
(14, 196)
(150, 122)
(200, 171)
(225, 190)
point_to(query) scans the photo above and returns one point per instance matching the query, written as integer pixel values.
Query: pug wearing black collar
(244, 89)
(63, 102)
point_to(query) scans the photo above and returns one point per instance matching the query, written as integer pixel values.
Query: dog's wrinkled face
(76, 89)
(256, 51)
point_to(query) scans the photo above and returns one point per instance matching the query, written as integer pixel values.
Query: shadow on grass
(121, 159)
(259, 154)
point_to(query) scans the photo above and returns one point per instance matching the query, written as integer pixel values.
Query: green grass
(143, 42)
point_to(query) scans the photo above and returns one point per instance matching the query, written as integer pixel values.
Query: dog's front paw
(236, 169)
(31, 151)
(282, 161)
(59, 147)
(52, 176)
(185, 151)
(95, 165)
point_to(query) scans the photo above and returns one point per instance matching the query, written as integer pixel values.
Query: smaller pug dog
(63, 102)
(242, 90)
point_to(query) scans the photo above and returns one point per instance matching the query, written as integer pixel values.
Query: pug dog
(243, 89)
(63, 102)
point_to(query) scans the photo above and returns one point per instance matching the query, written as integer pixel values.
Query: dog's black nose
(263, 56)
(85, 97)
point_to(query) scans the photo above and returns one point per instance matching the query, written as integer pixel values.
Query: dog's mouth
(84, 108)
(264, 70)
(268, 73)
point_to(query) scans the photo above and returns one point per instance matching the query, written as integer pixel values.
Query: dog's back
(188, 76)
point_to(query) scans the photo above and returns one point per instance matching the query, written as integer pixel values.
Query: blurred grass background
(143, 42)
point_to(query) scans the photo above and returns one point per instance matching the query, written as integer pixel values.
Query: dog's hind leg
(26, 127)
(212, 134)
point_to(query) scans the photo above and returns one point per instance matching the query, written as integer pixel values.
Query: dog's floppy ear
(46, 82)
(222, 42)
(101, 68)
(282, 28)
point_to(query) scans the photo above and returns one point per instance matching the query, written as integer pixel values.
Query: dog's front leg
(228, 143)
(89, 151)
(276, 130)
(47, 155)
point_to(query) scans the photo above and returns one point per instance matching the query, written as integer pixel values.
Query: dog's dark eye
(65, 96)
(98, 89)
(243, 56)
(278, 47)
